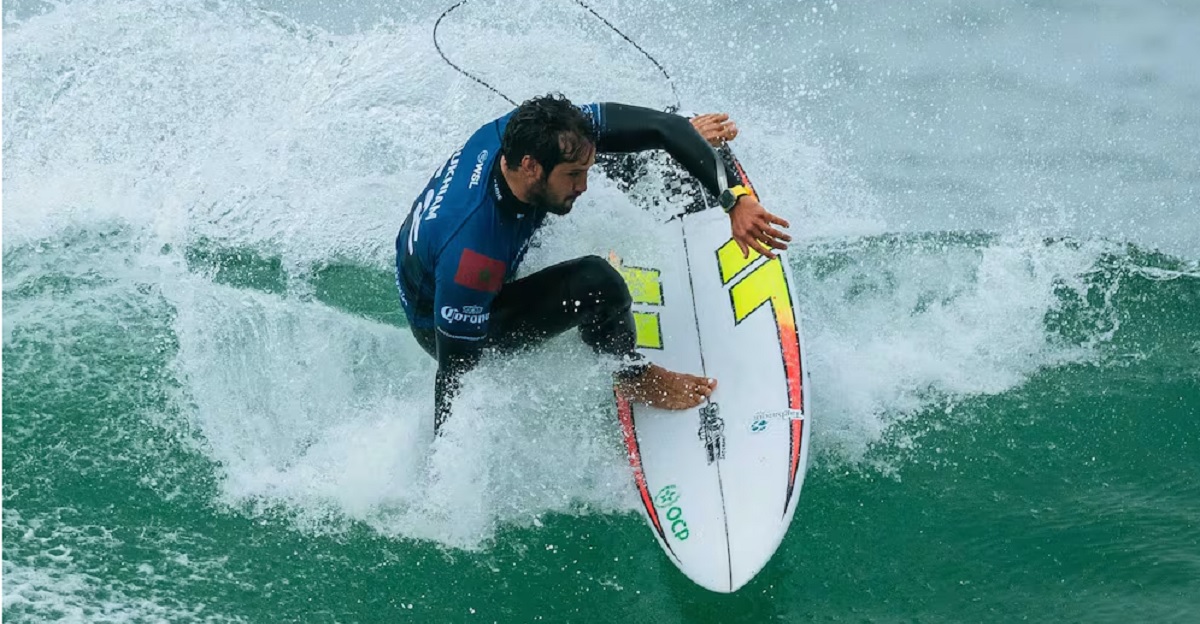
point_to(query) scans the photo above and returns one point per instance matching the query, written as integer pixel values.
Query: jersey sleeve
(467, 282)
(594, 112)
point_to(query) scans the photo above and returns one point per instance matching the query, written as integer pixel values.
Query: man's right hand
(754, 228)
(715, 128)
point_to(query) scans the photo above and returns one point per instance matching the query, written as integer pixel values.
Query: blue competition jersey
(458, 246)
(466, 234)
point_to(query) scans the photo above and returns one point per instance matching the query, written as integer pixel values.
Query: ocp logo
(667, 496)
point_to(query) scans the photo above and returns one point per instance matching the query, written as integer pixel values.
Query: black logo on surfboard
(712, 432)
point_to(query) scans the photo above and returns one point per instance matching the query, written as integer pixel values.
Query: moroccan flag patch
(479, 272)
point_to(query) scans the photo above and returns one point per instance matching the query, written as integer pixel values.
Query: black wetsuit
(467, 234)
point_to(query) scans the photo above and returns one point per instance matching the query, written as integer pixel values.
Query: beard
(539, 196)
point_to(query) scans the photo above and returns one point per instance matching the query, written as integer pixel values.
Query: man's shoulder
(461, 181)
(463, 215)
(593, 111)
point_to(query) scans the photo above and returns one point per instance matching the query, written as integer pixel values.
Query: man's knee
(596, 278)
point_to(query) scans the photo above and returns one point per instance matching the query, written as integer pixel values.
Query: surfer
(471, 225)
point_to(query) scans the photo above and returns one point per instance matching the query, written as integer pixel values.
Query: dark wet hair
(550, 129)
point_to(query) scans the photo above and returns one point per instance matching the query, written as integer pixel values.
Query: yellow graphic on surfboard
(645, 286)
(765, 284)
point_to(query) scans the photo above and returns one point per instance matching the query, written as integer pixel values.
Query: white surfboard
(719, 484)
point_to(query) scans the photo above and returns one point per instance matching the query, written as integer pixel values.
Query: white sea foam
(240, 128)
(51, 576)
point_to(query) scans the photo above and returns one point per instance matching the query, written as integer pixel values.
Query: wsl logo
(477, 172)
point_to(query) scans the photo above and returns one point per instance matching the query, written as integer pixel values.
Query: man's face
(558, 191)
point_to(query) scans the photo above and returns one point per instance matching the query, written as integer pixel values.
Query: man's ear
(531, 168)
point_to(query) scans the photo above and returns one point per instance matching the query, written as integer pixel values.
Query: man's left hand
(754, 228)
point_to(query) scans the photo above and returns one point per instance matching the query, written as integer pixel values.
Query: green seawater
(213, 411)
(1071, 496)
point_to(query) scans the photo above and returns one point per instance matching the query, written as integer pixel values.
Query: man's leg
(587, 293)
(590, 294)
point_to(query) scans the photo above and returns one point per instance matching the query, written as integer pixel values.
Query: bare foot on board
(661, 388)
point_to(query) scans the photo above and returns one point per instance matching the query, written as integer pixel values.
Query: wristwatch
(730, 196)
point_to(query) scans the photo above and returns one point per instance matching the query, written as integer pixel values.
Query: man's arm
(625, 128)
(455, 357)
(467, 282)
